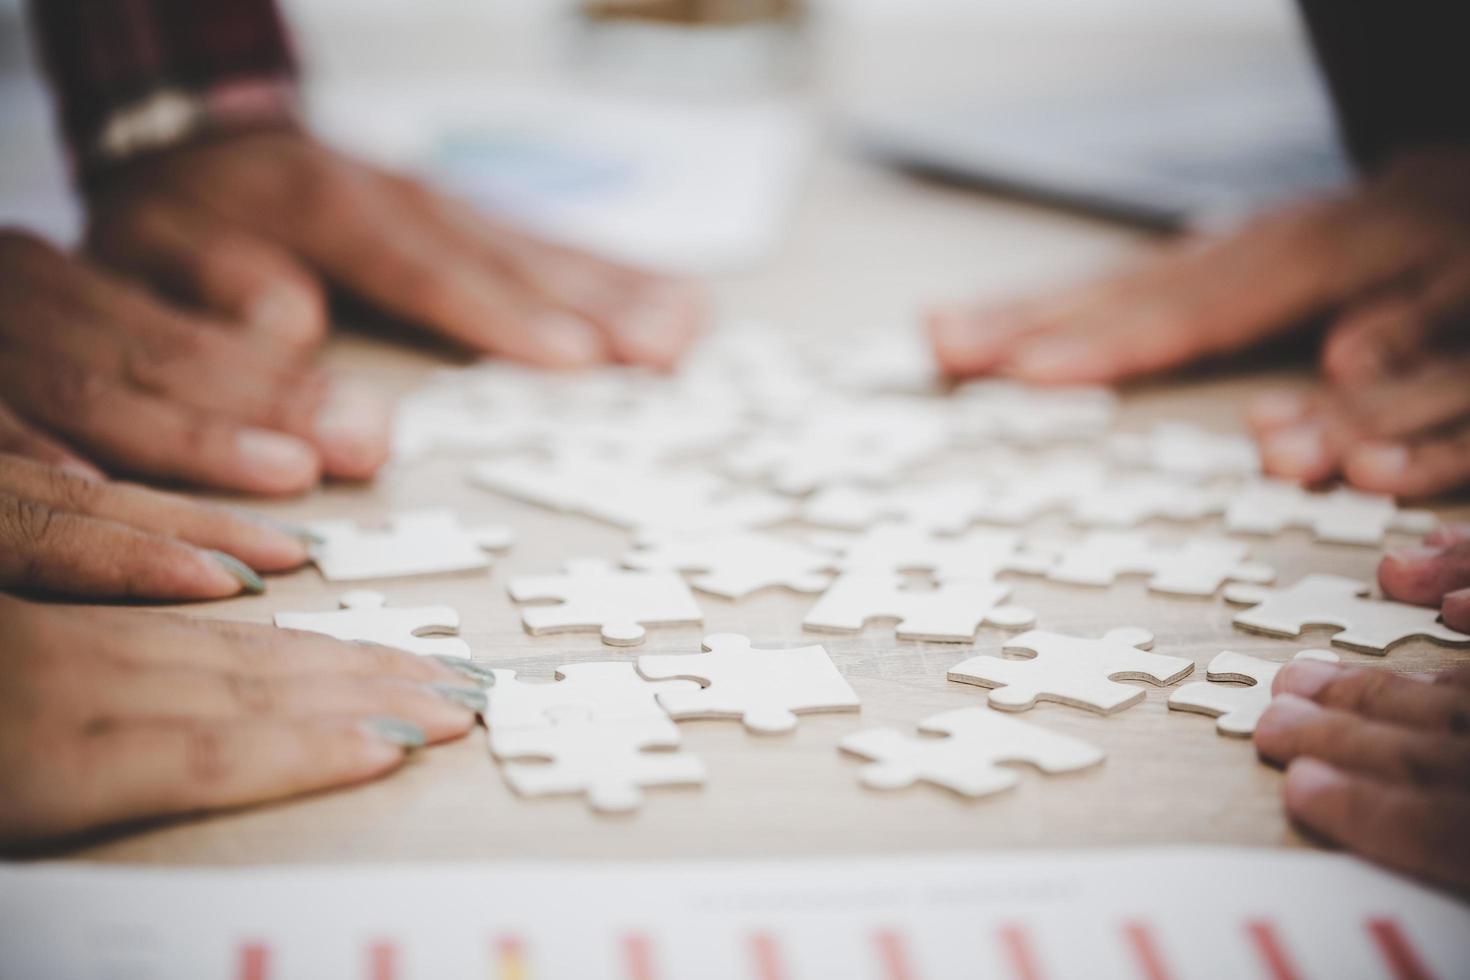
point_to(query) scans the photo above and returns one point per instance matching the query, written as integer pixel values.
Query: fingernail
(283, 459)
(1299, 449)
(477, 672)
(250, 583)
(303, 534)
(1307, 778)
(395, 731)
(284, 309)
(573, 338)
(1288, 711)
(1053, 354)
(1278, 408)
(1414, 554)
(466, 697)
(1305, 678)
(83, 469)
(1380, 461)
(352, 414)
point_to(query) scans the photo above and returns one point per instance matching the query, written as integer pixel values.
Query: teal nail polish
(396, 731)
(242, 572)
(298, 531)
(477, 672)
(466, 697)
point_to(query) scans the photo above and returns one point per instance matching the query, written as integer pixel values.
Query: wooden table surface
(867, 249)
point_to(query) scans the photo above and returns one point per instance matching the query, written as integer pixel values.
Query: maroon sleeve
(109, 58)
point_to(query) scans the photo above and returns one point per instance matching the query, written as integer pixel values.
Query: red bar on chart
(638, 954)
(1141, 941)
(382, 960)
(893, 955)
(254, 961)
(1271, 951)
(1017, 947)
(1397, 954)
(510, 959)
(767, 957)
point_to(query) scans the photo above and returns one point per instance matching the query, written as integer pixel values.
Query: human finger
(204, 259)
(143, 433)
(368, 240)
(1418, 400)
(1455, 610)
(139, 771)
(645, 318)
(1381, 695)
(1421, 467)
(19, 439)
(1380, 337)
(1425, 574)
(1401, 826)
(71, 554)
(184, 693)
(1293, 726)
(261, 544)
(268, 651)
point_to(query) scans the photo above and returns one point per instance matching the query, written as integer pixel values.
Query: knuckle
(72, 492)
(27, 525)
(73, 391)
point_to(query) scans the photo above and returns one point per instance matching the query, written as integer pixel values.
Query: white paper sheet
(1141, 914)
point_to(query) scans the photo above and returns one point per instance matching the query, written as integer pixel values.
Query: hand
(1390, 260)
(254, 226)
(63, 532)
(1434, 574)
(1377, 762)
(109, 716)
(139, 387)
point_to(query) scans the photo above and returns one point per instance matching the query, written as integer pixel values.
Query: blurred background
(680, 133)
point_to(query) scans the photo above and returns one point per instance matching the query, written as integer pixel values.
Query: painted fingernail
(473, 698)
(395, 731)
(1278, 408)
(1380, 461)
(1306, 678)
(1052, 355)
(250, 583)
(1297, 450)
(571, 337)
(477, 672)
(283, 459)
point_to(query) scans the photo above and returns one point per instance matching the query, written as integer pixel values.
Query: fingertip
(1299, 452)
(957, 337)
(269, 545)
(1408, 575)
(288, 312)
(1379, 466)
(1277, 410)
(1455, 610)
(1058, 359)
(274, 463)
(1273, 732)
(351, 428)
(659, 327)
(1310, 786)
(1305, 678)
(568, 341)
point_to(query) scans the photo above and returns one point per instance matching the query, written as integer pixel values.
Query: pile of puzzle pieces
(765, 466)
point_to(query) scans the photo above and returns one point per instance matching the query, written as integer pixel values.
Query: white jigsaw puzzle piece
(1367, 624)
(604, 691)
(940, 507)
(1198, 566)
(593, 595)
(766, 689)
(365, 618)
(1009, 411)
(968, 760)
(1079, 671)
(1129, 499)
(608, 762)
(1339, 516)
(1022, 490)
(979, 554)
(416, 542)
(952, 612)
(1187, 451)
(1237, 706)
(734, 564)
